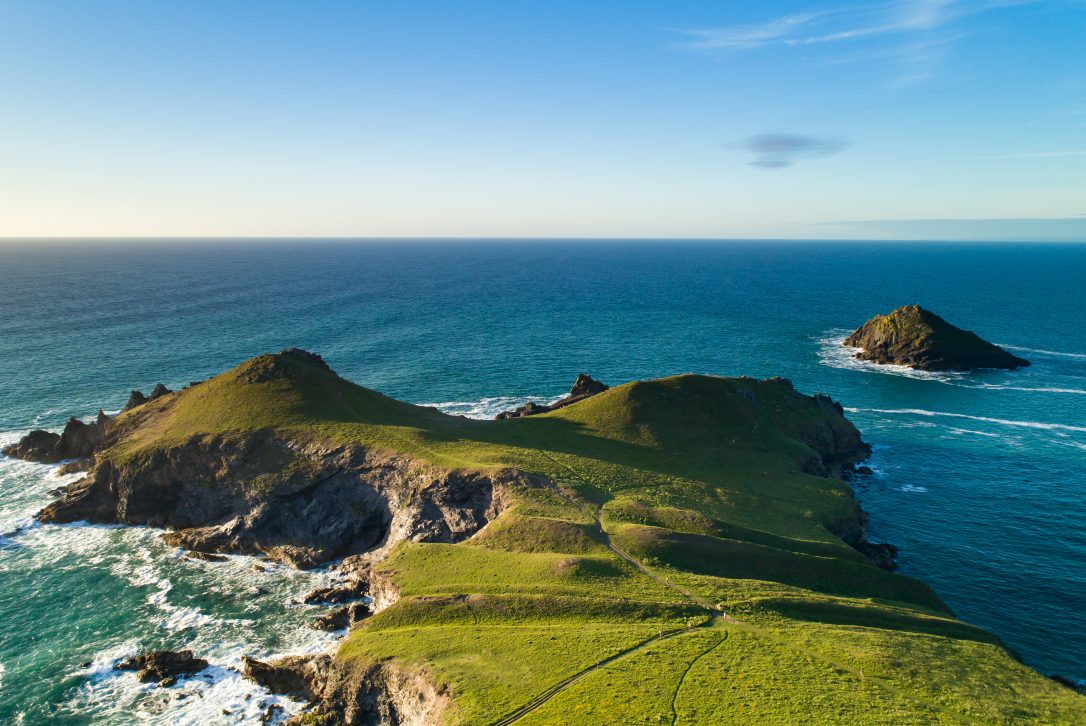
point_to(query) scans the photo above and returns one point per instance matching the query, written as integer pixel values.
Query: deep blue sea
(980, 478)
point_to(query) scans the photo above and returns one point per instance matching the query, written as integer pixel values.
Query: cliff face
(918, 338)
(299, 504)
(345, 693)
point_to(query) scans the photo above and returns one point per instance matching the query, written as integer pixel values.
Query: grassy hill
(601, 597)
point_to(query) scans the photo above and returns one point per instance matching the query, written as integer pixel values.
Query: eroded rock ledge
(302, 504)
(349, 693)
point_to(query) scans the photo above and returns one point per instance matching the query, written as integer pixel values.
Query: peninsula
(918, 338)
(682, 550)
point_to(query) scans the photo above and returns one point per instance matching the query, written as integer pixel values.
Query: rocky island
(918, 338)
(681, 550)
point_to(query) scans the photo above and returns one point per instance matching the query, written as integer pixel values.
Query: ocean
(980, 478)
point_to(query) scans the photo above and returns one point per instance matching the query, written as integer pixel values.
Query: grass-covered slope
(601, 597)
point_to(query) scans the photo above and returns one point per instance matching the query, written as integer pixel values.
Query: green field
(601, 596)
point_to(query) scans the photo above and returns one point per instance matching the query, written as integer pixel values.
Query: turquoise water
(980, 478)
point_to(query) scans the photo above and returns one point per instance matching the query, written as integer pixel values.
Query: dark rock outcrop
(583, 387)
(297, 503)
(280, 366)
(163, 666)
(352, 590)
(918, 338)
(346, 692)
(343, 617)
(78, 440)
(136, 398)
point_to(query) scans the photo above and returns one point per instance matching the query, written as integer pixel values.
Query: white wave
(987, 419)
(1039, 351)
(955, 430)
(216, 695)
(1031, 389)
(912, 489)
(488, 408)
(833, 353)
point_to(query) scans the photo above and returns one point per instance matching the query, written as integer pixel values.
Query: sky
(910, 119)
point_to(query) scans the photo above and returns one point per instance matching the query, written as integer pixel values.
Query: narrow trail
(717, 616)
(689, 667)
(557, 688)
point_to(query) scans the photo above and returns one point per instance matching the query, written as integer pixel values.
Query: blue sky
(908, 118)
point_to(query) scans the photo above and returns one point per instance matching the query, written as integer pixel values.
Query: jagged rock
(38, 445)
(135, 398)
(163, 666)
(586, 385)
(78, 440)
(351, 693)
(159, 391)
(288, 676)
(918, 338)
(342, 617)
(338, 593)
(582, 388)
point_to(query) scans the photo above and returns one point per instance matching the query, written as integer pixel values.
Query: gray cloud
(777, 151)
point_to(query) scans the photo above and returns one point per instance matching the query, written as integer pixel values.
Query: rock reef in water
(918, 338)
(583, 387)
(163, 666)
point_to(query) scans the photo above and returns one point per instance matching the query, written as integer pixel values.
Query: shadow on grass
(829, 613)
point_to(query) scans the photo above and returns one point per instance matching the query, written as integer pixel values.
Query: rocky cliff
(918, 338)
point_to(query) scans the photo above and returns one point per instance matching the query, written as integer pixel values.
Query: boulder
(342, 617)
(163, 666)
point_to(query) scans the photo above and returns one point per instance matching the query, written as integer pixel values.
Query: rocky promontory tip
(77, 441)
(918, 338)
(582, 388)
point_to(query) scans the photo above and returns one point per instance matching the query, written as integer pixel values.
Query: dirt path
(557, 688)
(689, 667)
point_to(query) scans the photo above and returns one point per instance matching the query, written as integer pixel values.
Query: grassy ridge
(587, 601)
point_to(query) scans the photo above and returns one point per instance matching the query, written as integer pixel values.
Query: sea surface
(980, 478)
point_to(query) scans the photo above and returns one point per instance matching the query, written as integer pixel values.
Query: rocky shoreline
(319, 503)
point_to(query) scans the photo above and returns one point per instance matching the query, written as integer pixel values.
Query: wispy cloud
(1035, 155)
(917, 32)
(777, 151)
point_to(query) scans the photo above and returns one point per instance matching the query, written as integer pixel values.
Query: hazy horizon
(897, 120)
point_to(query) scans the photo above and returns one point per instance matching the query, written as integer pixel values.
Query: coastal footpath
(683, 550)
